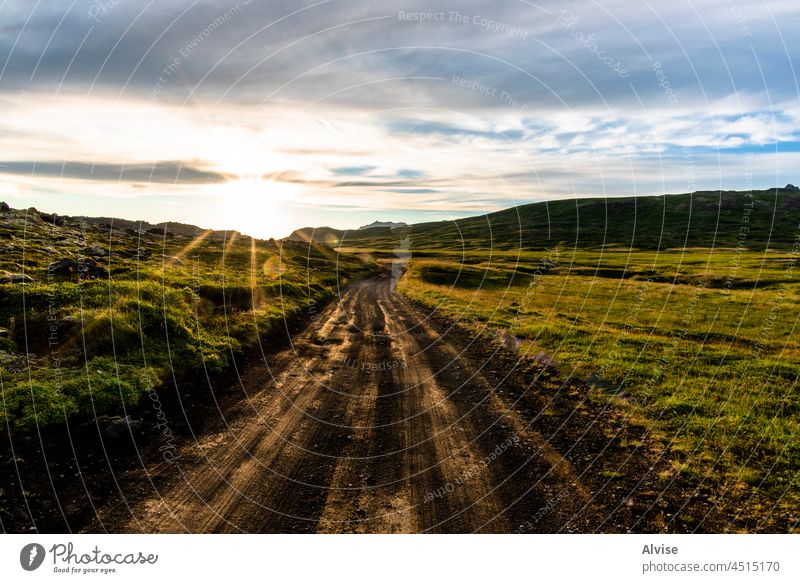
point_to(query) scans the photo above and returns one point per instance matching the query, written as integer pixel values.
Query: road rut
(380, 419)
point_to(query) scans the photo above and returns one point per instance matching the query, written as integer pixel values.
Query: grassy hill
(92, 318)
(681, 310)
(753, 220)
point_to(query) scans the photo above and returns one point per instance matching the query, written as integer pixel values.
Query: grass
(700, 343)
(659, 304)
(174, 310)
(754, 219)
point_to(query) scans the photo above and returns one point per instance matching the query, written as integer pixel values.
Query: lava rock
(16, 278)
(113, 428)
(94, 251)
(53, 219)
(84, 269)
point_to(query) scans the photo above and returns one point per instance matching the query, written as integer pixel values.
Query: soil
(377, 417)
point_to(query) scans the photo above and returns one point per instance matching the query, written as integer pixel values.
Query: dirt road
(379, 418)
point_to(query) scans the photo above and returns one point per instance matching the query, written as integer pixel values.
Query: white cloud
(341, 97)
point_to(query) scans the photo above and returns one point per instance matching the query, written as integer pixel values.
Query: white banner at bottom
(399, 558)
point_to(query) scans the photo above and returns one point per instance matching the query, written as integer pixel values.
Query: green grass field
(156, 311)
(680, 308)
(696, 342)
(701, 345)
(710, 219)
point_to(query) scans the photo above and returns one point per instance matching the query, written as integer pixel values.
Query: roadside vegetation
(92, 318)
(699, 344)
(680, 309)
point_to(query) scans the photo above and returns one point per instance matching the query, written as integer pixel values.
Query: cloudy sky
(268, 115)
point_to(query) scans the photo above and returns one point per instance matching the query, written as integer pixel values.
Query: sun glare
(254, 206)
(7, 189)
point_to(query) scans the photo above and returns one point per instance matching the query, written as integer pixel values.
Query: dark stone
(16, 278)
(792, 187)
(113, 428)
(53, 219)
(94, 251)
(63, 267)
(4, 208)
(84, 269)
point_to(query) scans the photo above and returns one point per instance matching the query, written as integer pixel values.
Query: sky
(266, 116)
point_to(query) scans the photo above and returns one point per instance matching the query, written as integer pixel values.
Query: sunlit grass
(701, 343)
(185, 308)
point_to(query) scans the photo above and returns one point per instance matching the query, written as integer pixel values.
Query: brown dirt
(379, 418)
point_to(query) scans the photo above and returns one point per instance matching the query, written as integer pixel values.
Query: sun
(8, 189)
(255, 206)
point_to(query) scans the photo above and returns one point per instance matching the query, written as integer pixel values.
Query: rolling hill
(753, 220)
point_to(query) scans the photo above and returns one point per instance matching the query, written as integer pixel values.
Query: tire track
(376, 420)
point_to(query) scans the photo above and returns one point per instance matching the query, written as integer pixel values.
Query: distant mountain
(379, 224)
(753, 219)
